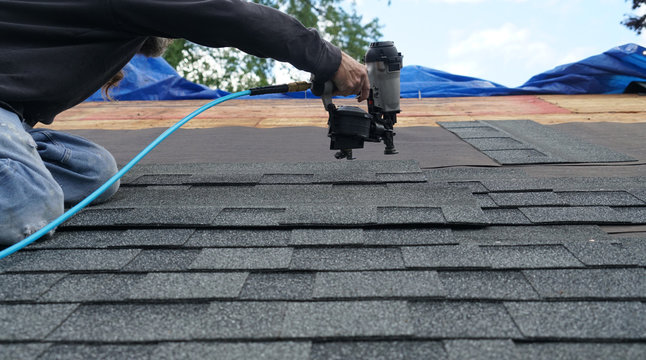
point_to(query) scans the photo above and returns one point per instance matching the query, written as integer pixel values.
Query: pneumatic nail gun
(350, 126)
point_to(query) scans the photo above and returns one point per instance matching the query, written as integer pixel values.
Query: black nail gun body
(349, 127)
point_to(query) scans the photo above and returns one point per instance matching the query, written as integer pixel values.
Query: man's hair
(152, 47)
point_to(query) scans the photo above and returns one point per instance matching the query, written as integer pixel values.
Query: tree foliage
(233, 70)
(634, 21)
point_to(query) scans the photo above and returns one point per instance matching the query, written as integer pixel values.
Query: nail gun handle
(325, 91)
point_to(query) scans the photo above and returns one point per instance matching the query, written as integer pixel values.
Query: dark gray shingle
(239, 238)
(580, 320)
(92, 287)
(160, 322)
(233, 351)
(506, 217)
(378, 284)
(595, 252)
(599, 198)
(23, 351)
(530, 256)
(162, 260)
(407, 236)
(505, 285)
(71, 260)
(449, 320)
(347, 259)
(32, 322)
(589, 283)
(581, 351)
(243, 258)
(278, 286)
(572, 215)
(26, 286)
(378, 350)
(444, 256)
(101, 352)
(530, 198)
(326, 237)
(347, 319)
(161, 286)
(482, 349)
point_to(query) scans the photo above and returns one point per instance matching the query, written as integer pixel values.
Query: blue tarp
(607, 73)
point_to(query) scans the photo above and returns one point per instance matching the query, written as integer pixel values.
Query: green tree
(232, 70)
(633, 21)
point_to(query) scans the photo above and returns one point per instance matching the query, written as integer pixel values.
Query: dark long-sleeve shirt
(56, 53)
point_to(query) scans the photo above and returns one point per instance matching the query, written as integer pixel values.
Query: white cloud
(504, 52)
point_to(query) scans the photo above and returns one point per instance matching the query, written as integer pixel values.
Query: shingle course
(347, 319)
(580, 320)
(589, 283)
(378, 284)
(337, 260)
(449, 320)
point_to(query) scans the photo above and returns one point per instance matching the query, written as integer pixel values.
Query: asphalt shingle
(278, 286)
(330, 215)
(580, 320)
(70, 260)
(572, 215)
(449, 320)
(482, 349)
(26, 286)
(92, 288)
(31, 322)
(603, 253)
(249, 217)
(160, 286)
(564, 147)
(599, 198)
(339, 260)
(238, 238)
(378, 284)
(243, 258)
(410, 215)
(158, 322)
(347, 319)
(589, 283)
(499, 285)
(162, 260)
(529, 198)
(506, 217)
(233, 351)
(23, 351)
(444, 256)
(80, 240)
(581, 351)
(326, 237)
(103, 352)
(347, 259)
(530, 235)
(382, 350)
(528, 257)
(407, 236)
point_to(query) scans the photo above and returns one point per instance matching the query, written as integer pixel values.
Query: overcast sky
(504, 41)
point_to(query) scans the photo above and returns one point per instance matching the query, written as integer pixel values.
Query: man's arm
(255, 29)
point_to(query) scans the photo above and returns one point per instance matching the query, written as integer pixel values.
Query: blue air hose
(300, 86)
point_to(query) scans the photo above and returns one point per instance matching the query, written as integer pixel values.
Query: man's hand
(351, 79)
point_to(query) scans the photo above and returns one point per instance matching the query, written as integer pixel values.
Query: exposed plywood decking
(546, 109)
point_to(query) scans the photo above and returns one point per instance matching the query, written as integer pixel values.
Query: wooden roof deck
(544, 109)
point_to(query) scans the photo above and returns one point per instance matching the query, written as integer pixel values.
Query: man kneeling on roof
(55, 53)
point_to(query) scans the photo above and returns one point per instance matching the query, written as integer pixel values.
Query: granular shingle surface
(339, 260)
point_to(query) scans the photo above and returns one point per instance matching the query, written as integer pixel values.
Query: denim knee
(78, 165)
(29, 201)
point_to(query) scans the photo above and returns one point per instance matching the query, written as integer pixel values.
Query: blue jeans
(41, 171)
